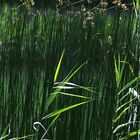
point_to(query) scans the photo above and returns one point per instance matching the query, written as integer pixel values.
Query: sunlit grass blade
(129, 84)
(118, 69)
(120, 115)
(73, 95)
(4, 136)
(53, 121)
(131, 134)
(58, 66)
(57, 112)
(116, 72)
(123, 125)
(123, 97)
(126, 103)
(69, 85)
(134, 93)
(53, 96)
(24, 137)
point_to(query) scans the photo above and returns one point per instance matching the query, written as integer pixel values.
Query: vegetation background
(68, 74)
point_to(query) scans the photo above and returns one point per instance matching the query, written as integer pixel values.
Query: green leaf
(125, 104)
(58, 67)
(123, 125)
(128, 85)
(53, 121)
(119, 70)
(4, 136)
(122, 113)
(24, 137)
(116, 72)
(131, 134)
(74, 95)
(122, 69)
(53, 96)
(137, 4)
(72, 85)
(64, 109)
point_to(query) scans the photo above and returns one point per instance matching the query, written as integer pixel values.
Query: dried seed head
(104, 5)
(124, 7)
(83, 8)
(61, 2)
(89, 1)
(119, 4)
(102, 11)
(116, 1)
(32, 2)
(109, 40)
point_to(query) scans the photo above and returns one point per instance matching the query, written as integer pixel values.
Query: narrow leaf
(131, 134)
(122, 113)
(52, 96)
(74, 95)
(123, 125)
(129, 84)
(58, 66)
(64, 109)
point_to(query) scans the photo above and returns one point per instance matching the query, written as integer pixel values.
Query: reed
(69, 76)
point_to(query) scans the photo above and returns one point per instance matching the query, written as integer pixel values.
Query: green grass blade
(4, 136)
(73, 73)
(52, 96)
(73, 85)
(129, 84)
(131, 135)
(125, 104)
(64, 109)
(58, 66)
(122, 69)
(121, 114)
(53, 121)
(24, 137)
(74, 95)
(123, 125)
(116, 72)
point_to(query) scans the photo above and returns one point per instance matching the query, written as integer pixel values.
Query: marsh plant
(69, 76)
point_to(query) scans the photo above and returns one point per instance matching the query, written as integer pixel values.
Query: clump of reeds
(97, 74)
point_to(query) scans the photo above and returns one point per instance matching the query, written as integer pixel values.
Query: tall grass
(86, 92)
